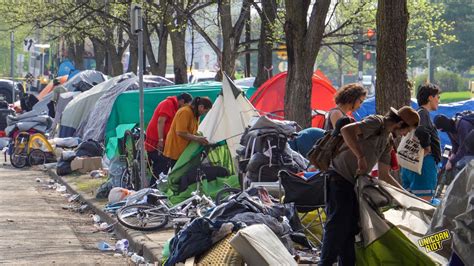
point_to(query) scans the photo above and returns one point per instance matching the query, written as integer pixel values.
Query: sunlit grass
(449, 97)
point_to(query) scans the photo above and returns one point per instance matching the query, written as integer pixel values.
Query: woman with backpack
(348, 99)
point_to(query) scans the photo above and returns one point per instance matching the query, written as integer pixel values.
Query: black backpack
(466, 115)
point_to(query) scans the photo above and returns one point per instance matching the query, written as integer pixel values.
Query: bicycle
(130, 154)
(157, 212)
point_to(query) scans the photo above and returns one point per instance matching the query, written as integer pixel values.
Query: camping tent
(94, 126)
(50, 87)
(224, 124)
(124, 114)
(269, 98)
(447, 109)
(81, 105)
(392, 238)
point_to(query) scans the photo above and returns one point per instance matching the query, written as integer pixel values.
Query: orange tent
(269, 98)
(49, 88)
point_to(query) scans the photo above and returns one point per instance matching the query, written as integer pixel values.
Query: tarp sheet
(391, 239)
(80, 107)
(448, 109)
(456, 213)
(125, 108)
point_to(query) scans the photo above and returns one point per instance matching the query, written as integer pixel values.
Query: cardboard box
(86, 164)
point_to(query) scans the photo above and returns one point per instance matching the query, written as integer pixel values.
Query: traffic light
(281, 52)
(368, 55)
(370, 33)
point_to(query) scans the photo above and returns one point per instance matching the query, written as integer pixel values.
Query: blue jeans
(342, 217)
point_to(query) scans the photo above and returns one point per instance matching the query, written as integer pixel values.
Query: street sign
(29, 78)
(28, 44)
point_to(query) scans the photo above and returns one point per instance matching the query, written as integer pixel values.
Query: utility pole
(430, 64)
(360, 56)
(12, 62)
(137, 29)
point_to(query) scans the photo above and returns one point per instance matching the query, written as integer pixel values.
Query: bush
(446, 80)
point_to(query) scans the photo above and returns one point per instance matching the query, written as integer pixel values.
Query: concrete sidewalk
(35, 229)
(147, 244)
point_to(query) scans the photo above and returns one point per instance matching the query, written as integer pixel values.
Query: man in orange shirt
(184, 129)
(158, 128)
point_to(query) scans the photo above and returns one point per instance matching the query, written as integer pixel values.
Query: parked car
(6, 90)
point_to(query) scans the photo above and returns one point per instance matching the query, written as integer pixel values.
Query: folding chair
(308, 194)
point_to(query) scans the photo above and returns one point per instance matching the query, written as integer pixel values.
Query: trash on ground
(97, 174)
(72, 198)
(118, 194)
(118, 255)
(104, 246)
(137, 258)
(38, 180)
(10, 220)
(96, 218)
(61, 188)
(122, 246)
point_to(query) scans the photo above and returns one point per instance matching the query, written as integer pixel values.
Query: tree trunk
(162, 51)
(115, 61)
(99, 54)
(179, 57)
(150, 55)
(392, 88)
(265, 53)
(76, 52)
(227, 62)
(133, 59)
(303, 41)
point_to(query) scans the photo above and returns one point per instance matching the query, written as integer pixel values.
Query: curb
(138, 241)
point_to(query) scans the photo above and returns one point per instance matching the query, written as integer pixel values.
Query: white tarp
(229, 116)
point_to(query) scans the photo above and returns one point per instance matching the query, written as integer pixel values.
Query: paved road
(35, 229)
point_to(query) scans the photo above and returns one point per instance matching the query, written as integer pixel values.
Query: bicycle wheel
(225, 194)
(143, 217)
(18, 160)
(36, 157)
(136, 182)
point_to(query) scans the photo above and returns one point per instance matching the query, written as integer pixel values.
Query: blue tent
(448, 109)
(67, 68)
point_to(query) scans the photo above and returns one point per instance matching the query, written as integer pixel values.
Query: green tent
(125, 108)
(392, 238)
(223, 126)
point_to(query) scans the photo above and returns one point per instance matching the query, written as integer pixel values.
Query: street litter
(72, 198)
(61, 188)
(96, 218)
(104, 246)
(38, 180)
(122, 246)
(137, 258)
(10, 220)
(97, 173)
